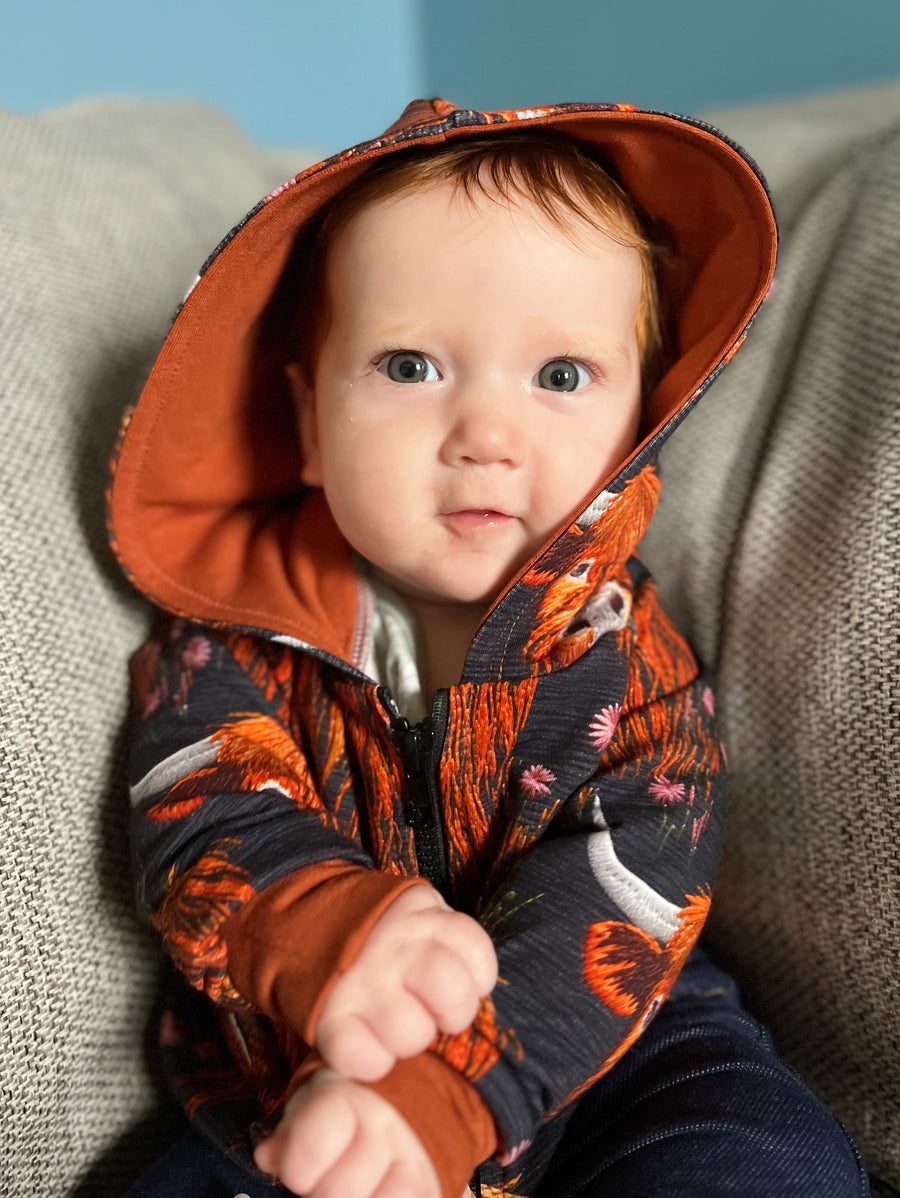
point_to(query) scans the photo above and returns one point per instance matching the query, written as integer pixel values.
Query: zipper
(420, 746)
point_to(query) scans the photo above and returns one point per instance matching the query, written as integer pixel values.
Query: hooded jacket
(567, 792)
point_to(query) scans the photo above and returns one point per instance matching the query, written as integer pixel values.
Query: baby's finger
(405, 1027)
(470, 941)
(403, 1181)
(349, 1044)
(359, 1171)
(443, 983)
(316, 1131)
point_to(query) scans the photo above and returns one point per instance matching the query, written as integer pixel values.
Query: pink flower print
(196, 653)
(176, 629)
(512, 1154)
(603, 725)
(724, 753)
(692, 794)
(708, 700)
(697, 828)
(152, 702)
(536, 780)
(688, 710)
(661, 790)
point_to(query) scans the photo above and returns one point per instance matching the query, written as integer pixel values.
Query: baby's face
(479, 378)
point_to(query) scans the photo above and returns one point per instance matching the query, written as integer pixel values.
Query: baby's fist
(339, 1140)
(423, 969)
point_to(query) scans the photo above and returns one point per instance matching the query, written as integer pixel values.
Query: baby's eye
(562, 374)
(407, 366)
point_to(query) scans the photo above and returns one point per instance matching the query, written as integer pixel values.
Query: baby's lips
(476, 519)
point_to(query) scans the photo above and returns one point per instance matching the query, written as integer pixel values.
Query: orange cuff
(447, 1114)
(291, 942)
(445, 1111)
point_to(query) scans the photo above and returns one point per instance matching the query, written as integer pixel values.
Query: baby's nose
(484, 431)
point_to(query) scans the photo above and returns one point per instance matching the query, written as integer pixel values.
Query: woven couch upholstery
(106, 211)
(777, 549)
(776, 544)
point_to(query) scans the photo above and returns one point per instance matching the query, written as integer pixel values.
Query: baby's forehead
(432, 207)
(434, 230)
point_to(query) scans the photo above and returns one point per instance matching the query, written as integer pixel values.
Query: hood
(207, 516)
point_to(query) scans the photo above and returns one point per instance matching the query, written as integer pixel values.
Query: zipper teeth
(440, 713)
(420, 747)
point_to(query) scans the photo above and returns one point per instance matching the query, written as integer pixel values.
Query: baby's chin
(462, 592)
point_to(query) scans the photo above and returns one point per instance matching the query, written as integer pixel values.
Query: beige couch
(782, 507)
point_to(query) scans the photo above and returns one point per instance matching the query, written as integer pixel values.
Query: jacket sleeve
(595, 919)
(254, 879)
(261, 891)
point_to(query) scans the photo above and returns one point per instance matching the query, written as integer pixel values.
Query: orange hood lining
(205, 504)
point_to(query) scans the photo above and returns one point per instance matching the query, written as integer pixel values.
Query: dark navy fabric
(701, 1107)
(192, 1168)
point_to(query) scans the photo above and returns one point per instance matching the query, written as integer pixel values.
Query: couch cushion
(106, 211)
(777, 548)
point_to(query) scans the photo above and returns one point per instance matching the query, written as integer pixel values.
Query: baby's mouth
(476, 519)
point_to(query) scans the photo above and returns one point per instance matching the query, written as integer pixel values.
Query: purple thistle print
(603, 725)
(196, 653)
(697, 828)
(536, 780)
(667, 793)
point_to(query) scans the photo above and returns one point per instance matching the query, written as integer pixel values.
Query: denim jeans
(701, 1107)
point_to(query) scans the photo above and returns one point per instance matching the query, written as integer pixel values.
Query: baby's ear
(305, 404)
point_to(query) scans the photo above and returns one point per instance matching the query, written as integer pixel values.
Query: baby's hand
(337, 1139)
(422, 970)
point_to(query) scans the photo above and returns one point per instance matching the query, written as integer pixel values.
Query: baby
(427, 788)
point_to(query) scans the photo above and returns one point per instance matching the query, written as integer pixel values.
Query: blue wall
(317, 73)
(326, 74)
(679, 55)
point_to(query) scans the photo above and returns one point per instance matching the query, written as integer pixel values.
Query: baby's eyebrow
(556, 342)
(593, 345)
(406, 336)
